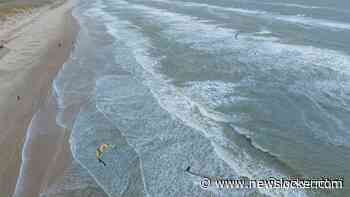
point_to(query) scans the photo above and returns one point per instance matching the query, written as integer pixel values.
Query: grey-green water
(231, 88)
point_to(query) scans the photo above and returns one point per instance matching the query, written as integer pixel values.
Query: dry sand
(32, 58)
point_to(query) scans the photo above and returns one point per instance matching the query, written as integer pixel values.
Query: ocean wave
(296, 19)
(160, 128)
(212, 38)
(168, 97)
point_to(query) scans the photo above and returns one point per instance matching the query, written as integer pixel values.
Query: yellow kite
(99, 152)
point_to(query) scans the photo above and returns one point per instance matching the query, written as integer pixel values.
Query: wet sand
(46, 152)
(31, 61)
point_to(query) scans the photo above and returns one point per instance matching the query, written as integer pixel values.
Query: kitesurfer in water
(99, 152)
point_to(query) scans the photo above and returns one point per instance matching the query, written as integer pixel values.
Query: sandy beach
(36, 46)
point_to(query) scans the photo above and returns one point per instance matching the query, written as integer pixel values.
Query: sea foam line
(296, 19)
(180, 106)
(204, 36)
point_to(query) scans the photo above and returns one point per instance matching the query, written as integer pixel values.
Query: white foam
(23, 168)
(170, 97)
(205, 36)
(298, 19)
(210, 37)
(326, 93)
(294, 5)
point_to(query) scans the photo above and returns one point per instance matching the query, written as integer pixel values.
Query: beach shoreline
(29, 162)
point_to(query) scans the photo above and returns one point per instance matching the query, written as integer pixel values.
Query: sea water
(232, 88)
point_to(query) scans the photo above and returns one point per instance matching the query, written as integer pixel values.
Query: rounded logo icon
(205, 183)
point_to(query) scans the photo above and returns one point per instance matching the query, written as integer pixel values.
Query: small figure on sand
(18, 98)
(59, 44)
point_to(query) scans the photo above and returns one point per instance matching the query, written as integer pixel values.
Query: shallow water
(230, 88)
